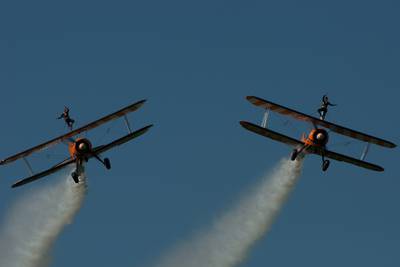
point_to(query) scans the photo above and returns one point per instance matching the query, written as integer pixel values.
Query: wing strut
(29, 166)
(128, 126)
(265, 119)
(365, 152)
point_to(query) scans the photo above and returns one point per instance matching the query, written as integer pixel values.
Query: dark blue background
(195, 62)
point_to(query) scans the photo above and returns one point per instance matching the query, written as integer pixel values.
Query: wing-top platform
(311, 149)
(332, 126)
(120, 113)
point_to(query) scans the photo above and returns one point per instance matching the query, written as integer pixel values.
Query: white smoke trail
(35, 221)
(230, 238)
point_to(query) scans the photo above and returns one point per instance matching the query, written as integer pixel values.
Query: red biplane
(80, 149)
(317, 139)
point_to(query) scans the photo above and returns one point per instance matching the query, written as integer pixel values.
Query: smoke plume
(35, 221)
(227, 242)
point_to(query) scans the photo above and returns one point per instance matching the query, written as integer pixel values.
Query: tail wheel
(107, 163)
(75, 176)
(325, 165)
(294, 154)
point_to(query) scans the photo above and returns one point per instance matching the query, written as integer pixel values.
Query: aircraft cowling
(319, 137)
(83, 146)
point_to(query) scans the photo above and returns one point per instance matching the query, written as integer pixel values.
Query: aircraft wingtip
(146, 128)
(245, 124)
(378, 168)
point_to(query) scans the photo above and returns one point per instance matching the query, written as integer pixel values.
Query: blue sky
(195, 62)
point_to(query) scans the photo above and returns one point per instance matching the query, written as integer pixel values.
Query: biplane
(80, 149)
(316, 141)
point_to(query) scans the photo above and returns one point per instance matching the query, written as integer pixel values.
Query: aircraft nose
(82, 146)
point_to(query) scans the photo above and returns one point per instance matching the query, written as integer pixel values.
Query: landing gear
(325, 165)
(107, 163)
(325, 162)
(75, 176)
(294, 154)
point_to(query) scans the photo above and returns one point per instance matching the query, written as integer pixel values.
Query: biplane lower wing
(122, 140)
(310, 149)
(332, 126)
(344, 158)
(96, 151)
(271, 134)
(45, 173)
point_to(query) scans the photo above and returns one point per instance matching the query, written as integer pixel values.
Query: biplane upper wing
(122, 140)
(347, 159)
(334, 127)
(87, 127)
(271, 134)
(54, 169)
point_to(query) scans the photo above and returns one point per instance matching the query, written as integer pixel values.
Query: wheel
(294, 154)
(107, 163)
(325, 165)
(75, 176)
